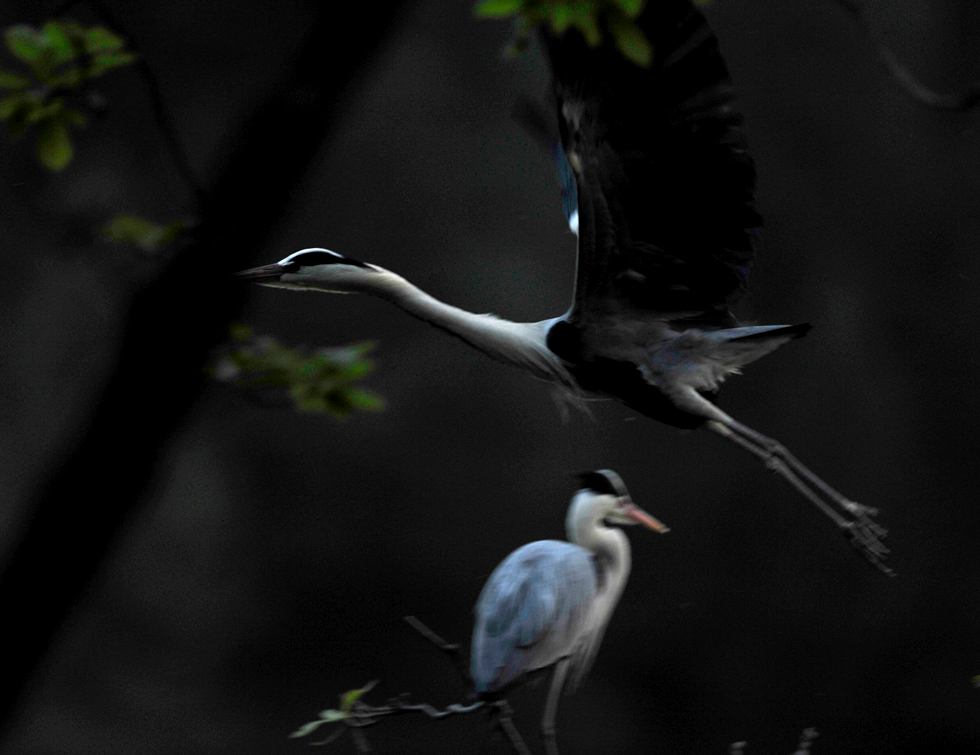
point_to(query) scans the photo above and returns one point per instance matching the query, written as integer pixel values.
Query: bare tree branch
(172, 325)
(503, 716)
(357, 715)
(363, 715)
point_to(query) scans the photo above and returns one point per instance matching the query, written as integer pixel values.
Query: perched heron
(660, 193)
(548, 603)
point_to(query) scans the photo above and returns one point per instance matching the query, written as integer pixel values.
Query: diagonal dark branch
(79, 510)
(965, 99)
(449, 649)
(500, 710)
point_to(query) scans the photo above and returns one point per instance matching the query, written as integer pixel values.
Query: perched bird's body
(659, 187)
(554, 582)
(549, 602)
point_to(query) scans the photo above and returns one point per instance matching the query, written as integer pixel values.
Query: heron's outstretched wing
(666, 213)
(532, 611)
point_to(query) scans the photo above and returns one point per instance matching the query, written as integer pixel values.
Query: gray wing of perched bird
(533, 611)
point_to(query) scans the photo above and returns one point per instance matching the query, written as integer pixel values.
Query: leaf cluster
(348, 700)
(318, 381)
(53, 65)
(144, 234)
(590, 18)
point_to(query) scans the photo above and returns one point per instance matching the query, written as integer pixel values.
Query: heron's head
(315, 270)
(603, 497)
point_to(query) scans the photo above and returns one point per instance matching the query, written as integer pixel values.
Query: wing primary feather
(665, 185)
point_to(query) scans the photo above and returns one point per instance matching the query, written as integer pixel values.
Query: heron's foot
(550, 742)
(866, 536)
(859, 509)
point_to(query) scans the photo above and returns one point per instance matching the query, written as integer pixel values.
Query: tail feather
(757, 332)
(736, 347)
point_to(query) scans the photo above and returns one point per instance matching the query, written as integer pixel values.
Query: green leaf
(107, 61)
(11, 80)
(25, 43)
(497, 8)
(632, 8)
(589, 28)
(351, 696)
(631, 41)
(560, 18)
(10, 104)
(67, 78)
(326, 717)
(17, 109)
(98, 39)
(54, 148)
(321, 381)
(142, 233)
(49, 110)
(58, 42)
(365, 400)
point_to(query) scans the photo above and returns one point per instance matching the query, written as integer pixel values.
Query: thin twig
(362, 715)
(449, 649)
(161, 116)
(415, 623)
(501, 712)
(960, 101)
(505, 721)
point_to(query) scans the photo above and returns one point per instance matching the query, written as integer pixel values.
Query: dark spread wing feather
(665, 185)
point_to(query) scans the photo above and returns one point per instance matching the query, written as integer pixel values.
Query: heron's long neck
(521, 344)
(609, 544)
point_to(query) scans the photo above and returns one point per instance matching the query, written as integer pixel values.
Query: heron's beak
(264, 274)
(639, 516)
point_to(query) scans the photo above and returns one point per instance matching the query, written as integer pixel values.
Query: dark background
(276, 553)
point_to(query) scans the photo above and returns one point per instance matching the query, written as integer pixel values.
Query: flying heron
(548, 603)
(663, 205)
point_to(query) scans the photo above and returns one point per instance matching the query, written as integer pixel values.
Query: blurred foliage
(319, 381)
(348, 700)
(45, 89)
(48, 86)
(142, 233)
(587, 17)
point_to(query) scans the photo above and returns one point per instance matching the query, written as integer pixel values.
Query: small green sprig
(587, 17)
(49, 81)
(332, 715)
(144, 234)
(318, 381)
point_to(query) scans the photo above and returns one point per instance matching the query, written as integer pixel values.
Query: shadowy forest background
(265, 557)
